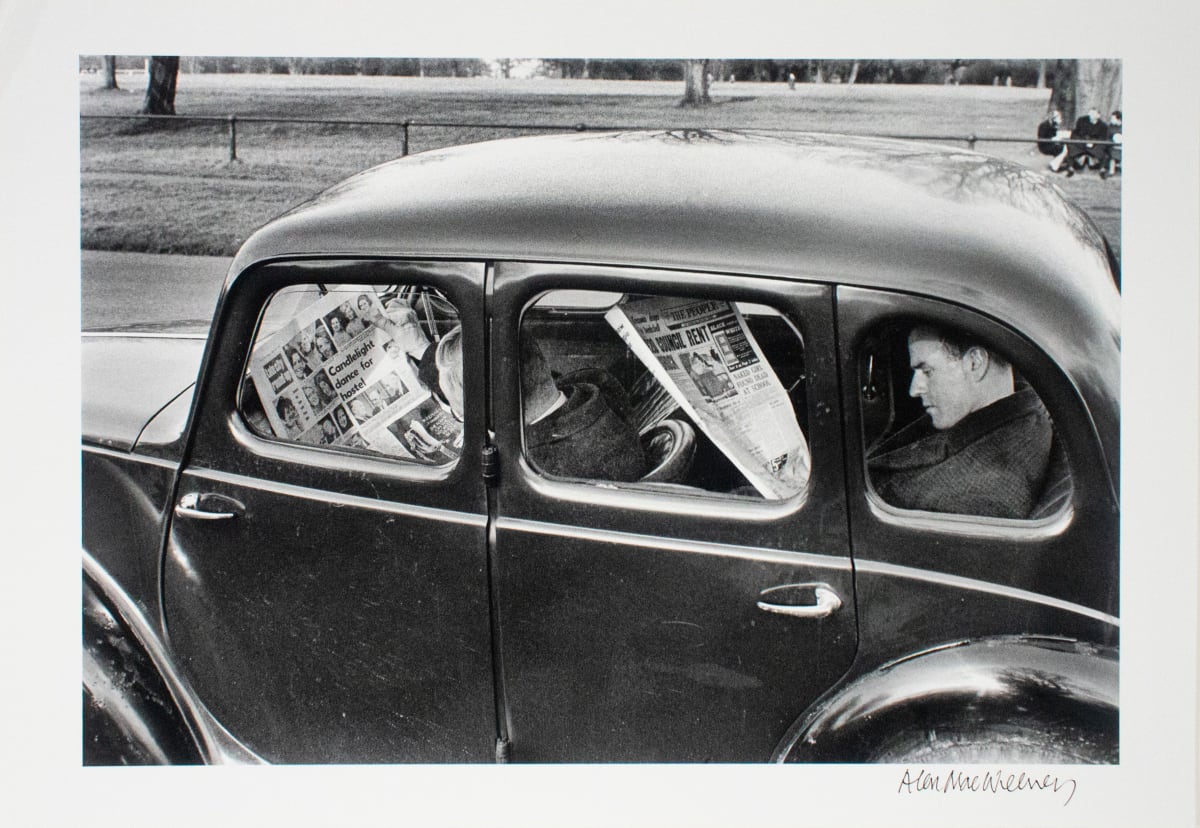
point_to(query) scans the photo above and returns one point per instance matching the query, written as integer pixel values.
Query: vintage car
(356, 524)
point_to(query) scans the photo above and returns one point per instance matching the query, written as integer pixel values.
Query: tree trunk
(1041, 81)
(160, 86)
(110, 72)
(1098, 84)
(1080, 85)
(853, 74)
(695, 83)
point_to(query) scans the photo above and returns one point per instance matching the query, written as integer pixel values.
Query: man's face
(940, 379)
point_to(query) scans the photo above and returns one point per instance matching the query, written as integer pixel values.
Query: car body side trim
(129, 455)
(217, 745)
(339, 498)
(959, 582)
(759, 553)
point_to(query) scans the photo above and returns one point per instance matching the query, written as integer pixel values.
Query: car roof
(921, 218)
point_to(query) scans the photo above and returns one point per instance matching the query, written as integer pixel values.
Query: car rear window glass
(951, 426)
(679, 394)
(359, 368)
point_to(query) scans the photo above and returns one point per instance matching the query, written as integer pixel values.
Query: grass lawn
(174, 191)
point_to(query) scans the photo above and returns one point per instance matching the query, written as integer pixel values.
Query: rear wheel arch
(1009, 699)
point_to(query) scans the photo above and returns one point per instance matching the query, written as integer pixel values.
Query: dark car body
(340, 607)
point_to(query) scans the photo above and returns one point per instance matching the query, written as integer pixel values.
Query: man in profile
(982, 447)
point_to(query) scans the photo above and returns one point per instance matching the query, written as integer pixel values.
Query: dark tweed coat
(991, 462)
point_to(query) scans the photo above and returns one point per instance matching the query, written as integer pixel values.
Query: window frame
(219, 438)
(957, 522)
(516, 285)
(681, 489)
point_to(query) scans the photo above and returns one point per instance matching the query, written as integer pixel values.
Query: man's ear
(977, 360)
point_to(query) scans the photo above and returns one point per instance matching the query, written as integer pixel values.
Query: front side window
(696, 394)
(951, 426)
(374, 369)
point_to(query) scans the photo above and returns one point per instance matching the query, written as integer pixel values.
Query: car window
(950, 425)
(692, 394)
(363, 368)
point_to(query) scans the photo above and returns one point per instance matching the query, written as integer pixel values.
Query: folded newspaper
(333, 375)
(703, 353)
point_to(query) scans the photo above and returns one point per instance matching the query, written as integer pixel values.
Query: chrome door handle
(819, 600)
(208, 506)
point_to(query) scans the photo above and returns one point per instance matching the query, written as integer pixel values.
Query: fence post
(233, 138)
(404, 140)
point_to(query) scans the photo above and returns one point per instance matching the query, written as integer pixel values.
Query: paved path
(147, 291)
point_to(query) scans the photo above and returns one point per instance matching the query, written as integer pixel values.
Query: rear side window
(358, 368)
(675, 392)
(951, 426)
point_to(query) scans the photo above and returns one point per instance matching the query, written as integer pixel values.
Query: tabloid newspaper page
(703, 353)
(332, 377)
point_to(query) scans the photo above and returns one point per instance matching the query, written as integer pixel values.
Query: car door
(1050, 572)
(664, 621)
(326, 592)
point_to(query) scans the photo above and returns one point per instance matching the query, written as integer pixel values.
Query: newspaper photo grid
(332, 376)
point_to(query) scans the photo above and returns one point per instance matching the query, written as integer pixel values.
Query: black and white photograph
(923, 543)
(898, 220)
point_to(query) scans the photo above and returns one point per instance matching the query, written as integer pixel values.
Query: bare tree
(160, 86)
(695, 83)
(1080, 85)
(110, 72)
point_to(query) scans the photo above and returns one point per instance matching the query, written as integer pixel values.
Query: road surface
(145, 291)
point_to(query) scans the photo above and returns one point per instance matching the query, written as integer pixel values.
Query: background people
(1047, 132)
(1115, 128)
(1088, 155)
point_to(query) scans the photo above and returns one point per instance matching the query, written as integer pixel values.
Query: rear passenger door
(1051, 571)
(687, 618)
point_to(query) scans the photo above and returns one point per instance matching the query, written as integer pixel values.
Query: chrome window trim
(971, 526)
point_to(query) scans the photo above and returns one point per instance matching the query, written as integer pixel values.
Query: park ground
(174, 190)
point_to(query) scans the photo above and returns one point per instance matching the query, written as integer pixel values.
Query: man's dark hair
(958, 343)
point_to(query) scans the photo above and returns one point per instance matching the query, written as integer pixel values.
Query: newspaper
(332, 377)
(702, 352)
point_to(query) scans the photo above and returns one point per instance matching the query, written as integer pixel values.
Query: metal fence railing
(232, 121)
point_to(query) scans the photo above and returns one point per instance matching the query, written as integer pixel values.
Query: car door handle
(208, 506)
(800, 600)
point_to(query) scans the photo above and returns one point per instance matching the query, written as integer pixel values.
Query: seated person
(572, 430)
(1115, 129)
(983, 445)
(1047, 131)
(1089, 128)
(440, 370)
